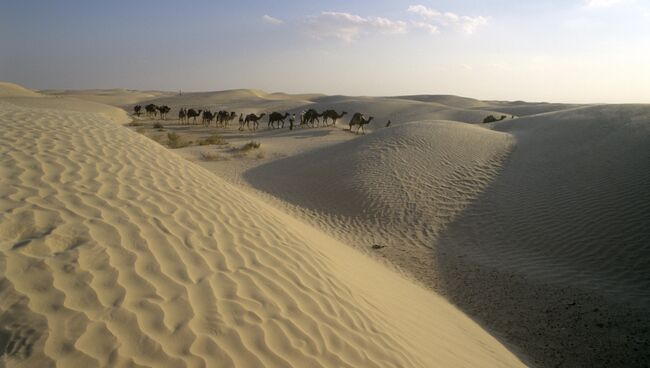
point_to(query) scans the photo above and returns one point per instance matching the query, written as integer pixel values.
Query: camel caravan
(309, 118)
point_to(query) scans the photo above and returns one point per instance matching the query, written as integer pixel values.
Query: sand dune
(582, 209)
(555, 232)
(449, 100)
(396, 109)
(400, 183)
(115, 97)
(566, 226)
(14, 90)
(116, 252)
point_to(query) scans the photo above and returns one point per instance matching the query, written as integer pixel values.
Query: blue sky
(567, 51)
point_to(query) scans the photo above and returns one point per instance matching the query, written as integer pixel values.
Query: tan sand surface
(116, 252)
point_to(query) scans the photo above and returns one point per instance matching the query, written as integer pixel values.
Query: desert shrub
(489, 119)
(209, 156)
(250, 146)
(503, 117)
(134, 124)
(213, 139)
(158, 126)
(176, 141)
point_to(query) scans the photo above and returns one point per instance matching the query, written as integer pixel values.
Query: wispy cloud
(271, 20)
(464, 23)
(348, 27)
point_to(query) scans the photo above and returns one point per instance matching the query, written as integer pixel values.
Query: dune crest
(116, 252)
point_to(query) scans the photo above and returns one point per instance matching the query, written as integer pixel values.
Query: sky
(552, 50)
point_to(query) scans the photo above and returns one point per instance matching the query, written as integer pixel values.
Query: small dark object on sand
(387, 124)
(377, 246)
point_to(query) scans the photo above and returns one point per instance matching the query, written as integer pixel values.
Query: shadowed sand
(116, 252)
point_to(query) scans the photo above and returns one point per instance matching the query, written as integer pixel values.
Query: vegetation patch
(252, 145)
(176, 141)
(213, 139)
(210, 156)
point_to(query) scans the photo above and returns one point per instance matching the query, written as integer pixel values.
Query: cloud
(601, 3)
(423, 11)
(425, 26)
(464, 23)
(271, 20)
(348, 27)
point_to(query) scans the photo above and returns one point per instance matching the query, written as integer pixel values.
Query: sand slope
(549, 246)
(398, 187)
(115, 97)
(116, 252)
(14, 90)
(575, 192)
(566, 226)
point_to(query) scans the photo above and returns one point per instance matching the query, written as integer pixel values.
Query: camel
(191, 113)
(358, 119)
(181, 115)
(164, 109)
(252, 118)
(151, 109)
(230, 118)
(277, 117)
(331, 114)
(136, 110)
(310, 116)
(208, 116)
(220, 117)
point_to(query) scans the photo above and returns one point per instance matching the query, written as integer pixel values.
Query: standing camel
(208, 117)
(151, 109)
(332, 114)
(164, 109)
(360, 120)
(277, 117)
(230, 118)
(191, 113)
(252, 118)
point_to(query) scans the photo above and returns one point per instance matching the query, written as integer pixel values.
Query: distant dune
(116, 252)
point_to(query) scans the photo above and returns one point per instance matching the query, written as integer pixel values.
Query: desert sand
(520, 242)
(116, 251)
(536, 226)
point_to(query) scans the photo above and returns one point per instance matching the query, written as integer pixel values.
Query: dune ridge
(116, 252)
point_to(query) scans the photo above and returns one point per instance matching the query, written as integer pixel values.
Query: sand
(536, 227)
(115, 251)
